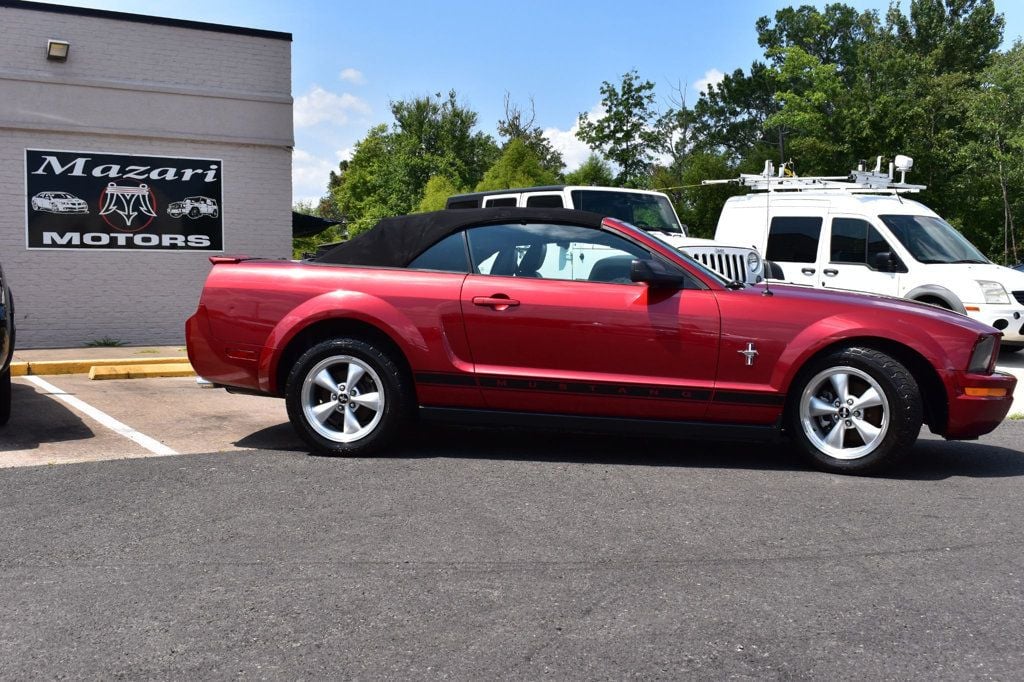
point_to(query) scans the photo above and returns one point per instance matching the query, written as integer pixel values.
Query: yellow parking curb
(53, 367)
(147, 371)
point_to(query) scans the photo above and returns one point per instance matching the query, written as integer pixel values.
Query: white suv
(862, 235)
(650, 211)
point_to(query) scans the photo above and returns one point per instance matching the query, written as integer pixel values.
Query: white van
(860, 233)
(650, 211)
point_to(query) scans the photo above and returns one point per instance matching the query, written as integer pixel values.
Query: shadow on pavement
(37, 419)
(931, 459)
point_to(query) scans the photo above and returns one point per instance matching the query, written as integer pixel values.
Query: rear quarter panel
(251, 311)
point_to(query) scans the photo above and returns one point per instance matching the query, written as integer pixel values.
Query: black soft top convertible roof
(395, 242)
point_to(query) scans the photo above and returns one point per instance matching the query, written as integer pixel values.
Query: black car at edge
(6, 347)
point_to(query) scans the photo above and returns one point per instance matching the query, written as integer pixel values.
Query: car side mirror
(655, 273)
(887, 261)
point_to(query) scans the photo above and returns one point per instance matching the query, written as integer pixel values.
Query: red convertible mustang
(561, 318)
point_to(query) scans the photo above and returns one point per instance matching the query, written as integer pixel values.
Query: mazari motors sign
(86, 200)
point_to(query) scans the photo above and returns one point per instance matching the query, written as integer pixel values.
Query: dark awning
(308, 225)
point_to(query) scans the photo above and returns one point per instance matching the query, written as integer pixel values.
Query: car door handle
(807, 271)
(830, 272)
(497, 301)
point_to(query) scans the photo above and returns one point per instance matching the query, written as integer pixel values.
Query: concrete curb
(147, 371)
(55, 367)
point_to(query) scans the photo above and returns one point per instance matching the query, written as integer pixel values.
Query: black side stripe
(651, 392)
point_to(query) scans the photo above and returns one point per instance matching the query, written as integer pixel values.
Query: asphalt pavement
(474, 554)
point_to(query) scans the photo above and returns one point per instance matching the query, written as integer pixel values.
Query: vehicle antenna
(767, 216)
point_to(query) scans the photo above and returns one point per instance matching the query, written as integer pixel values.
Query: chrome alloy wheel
(342, 398)
(844, 413)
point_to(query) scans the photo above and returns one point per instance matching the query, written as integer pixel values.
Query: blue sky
(349, 59)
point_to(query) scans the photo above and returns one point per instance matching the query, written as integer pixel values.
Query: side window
(464, 203)
(448, 255)
(849, 241)
(545, 201)
(855, 241)
(504, 201)
(794, 239)
(566, 252)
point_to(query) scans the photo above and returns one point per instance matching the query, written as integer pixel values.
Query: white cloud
(322, 106)
(351, 75)
(344, 154)
(309, 176)
(711, 77)
(574, 151)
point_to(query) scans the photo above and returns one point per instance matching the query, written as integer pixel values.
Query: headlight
(984, 356)
(753, 261)
(993, 291)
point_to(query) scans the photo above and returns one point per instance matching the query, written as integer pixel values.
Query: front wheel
(347, 397)
(855, 411)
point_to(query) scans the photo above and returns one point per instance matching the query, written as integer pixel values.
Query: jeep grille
(1019, 295)
(732, 266)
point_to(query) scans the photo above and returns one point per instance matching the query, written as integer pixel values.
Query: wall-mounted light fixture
(57, 50)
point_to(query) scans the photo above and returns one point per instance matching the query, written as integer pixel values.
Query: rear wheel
(348, 397)
(855, 411)
(5, 396)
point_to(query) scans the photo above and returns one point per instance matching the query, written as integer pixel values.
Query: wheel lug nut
(849, 423)
(850, 401)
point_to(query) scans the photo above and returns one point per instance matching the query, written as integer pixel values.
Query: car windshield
(646, 211)
(61, 195)
(932, 240)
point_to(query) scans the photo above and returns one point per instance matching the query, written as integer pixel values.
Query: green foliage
(516, 126)
(104, 342)
(518, 166)
(627, 134)
(390, 167)
(438, 189)
(595, 172)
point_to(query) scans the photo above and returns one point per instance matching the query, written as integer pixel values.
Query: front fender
(338, 305)
(844, 327)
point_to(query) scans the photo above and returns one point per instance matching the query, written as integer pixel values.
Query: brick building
(131, 149)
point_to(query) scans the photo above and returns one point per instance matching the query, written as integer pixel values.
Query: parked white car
(193, 207)
(859, 233)
(650, 211)
(58, 202)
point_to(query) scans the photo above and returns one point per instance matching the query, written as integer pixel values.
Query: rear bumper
(230, 364)
(971, 416)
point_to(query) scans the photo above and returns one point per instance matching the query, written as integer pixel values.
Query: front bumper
(1007, 318)
(975, 415)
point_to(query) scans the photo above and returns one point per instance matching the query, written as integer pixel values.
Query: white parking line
(151, 444)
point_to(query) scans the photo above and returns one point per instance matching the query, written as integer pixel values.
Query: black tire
(382, 375)
(870, 437)
(193, 213)
(1010, 348)
(5, 396)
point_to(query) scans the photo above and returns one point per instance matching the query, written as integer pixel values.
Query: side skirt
(573, 422)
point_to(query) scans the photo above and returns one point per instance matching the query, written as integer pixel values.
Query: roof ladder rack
(859, 181)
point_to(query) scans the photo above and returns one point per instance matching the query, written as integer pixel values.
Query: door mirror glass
(655, 273)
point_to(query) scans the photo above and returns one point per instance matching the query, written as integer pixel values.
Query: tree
(517, 126)
(390, 167)
(518, 166)
(436, 194)
(996, 116)
(595, 171)
(627, 133)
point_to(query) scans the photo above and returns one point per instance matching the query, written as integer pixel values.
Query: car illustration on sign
(490, 316)
(193, 207)
(58, 202)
